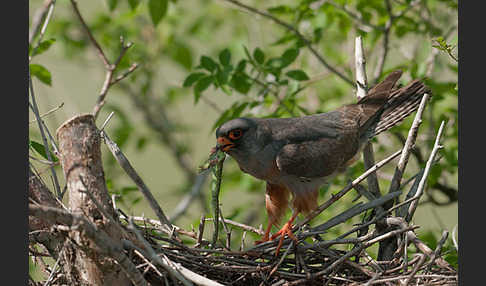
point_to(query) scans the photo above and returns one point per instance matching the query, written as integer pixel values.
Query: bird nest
(312, 261)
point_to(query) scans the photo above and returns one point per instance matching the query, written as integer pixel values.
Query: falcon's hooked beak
(224, 144)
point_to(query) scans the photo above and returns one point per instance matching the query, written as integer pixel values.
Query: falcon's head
(239, 137)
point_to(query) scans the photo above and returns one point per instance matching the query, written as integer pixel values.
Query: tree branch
(35, 109)
(421, 186)
(110, 68)
(127, 167)
(102, 242)
(298, 34)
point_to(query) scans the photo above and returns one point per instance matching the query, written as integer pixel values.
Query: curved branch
(298, 34)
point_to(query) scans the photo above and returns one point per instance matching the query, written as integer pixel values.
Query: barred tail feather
(402, 103)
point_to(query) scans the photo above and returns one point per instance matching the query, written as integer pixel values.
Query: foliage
(201, 52)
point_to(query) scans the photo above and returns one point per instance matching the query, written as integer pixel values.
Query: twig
(350, 186)
(155, 258)
(90, 35)
(353, 211)
(137, 252)
(438, 249)
(350, 254)
(35, 109)
(186, 201)
(298, 34)
(50, 6)
(48, 112)
(274, 269)
(355, 16)
(361, 91)
(409, 143)
(127, 167)
(200, 232)
(415, 268)
(38, 17)
(100, 102)
(386, 37)
(360, 64)
(412, 237)
(241, 225)
(159, 121)
(53, 271)
(132, 68)
(104, 244)
(110, 68)
(418, 194)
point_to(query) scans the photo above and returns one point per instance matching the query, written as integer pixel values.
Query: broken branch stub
(80, 156)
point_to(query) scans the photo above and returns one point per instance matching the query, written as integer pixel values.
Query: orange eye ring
(235, 134)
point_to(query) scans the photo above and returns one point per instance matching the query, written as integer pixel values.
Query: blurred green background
(169, 50)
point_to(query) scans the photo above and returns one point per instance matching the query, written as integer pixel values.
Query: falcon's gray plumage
(297, 154)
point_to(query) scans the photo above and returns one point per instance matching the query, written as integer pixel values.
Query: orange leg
(266, 236)
(285, 230)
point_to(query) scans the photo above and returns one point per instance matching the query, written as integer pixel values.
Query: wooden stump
(80, 156)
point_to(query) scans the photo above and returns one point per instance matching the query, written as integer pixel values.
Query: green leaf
(141, 143)
(225, 57)
(39, 148)
(289, 57)
(222, 118)
(157, 9)
(241, 83)
(258, 55)
(201, 86)
(281, 9)
(297, 75)
(241, 65)
(43, 46)
(180, 53)
(222, 75)
(112, 4)
(41, 73)
(192, 78)
(208, 63)
(133, 4)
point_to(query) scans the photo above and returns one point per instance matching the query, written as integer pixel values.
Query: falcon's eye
(235, 134)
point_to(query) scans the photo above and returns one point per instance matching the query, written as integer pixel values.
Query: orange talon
(265, 237)
(285, 230)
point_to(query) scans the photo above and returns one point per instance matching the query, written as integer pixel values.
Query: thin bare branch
(361, 91)
(97, 46)
(298, 34)
(354, 15)
(35, 109)
(149, 251)
(132, 68)
(127, 167)
(409, 143)
(186, 201)
(418, 194)
(360, 66)
(48, 112)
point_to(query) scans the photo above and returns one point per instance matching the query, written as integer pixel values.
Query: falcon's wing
(323, 144)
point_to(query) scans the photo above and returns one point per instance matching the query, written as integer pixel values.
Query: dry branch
(421, 186)
(361, 91)
(97, 236)
(87, 231)
(127, 167)
(35, 109)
